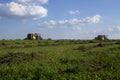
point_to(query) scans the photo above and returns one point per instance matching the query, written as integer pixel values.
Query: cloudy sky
(60, 19)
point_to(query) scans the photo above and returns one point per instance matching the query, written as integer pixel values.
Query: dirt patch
(84, 48)
(17, 58)
(74, 70)
(115, 48)
(71, 61)
(98, 66)
(100, 45)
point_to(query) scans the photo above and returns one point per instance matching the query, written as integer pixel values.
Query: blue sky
(59, 19)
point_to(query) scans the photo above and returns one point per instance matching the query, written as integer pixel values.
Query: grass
(59, 60)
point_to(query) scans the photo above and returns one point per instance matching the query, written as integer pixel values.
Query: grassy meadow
(59, 60)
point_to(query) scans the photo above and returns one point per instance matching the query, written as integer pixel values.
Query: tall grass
(59, 60)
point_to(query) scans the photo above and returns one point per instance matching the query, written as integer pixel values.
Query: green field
(59, 60)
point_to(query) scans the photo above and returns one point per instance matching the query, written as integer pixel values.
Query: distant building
(101, 37)
(35, 36)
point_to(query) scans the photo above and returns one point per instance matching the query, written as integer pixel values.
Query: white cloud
(114, 29)
(74, 12)
(16, 10)
(107, 31)
(94, 19)
(71, 23)
(32, 1)
(118, 28)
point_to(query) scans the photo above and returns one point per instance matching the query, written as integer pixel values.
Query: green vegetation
(59, 60)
